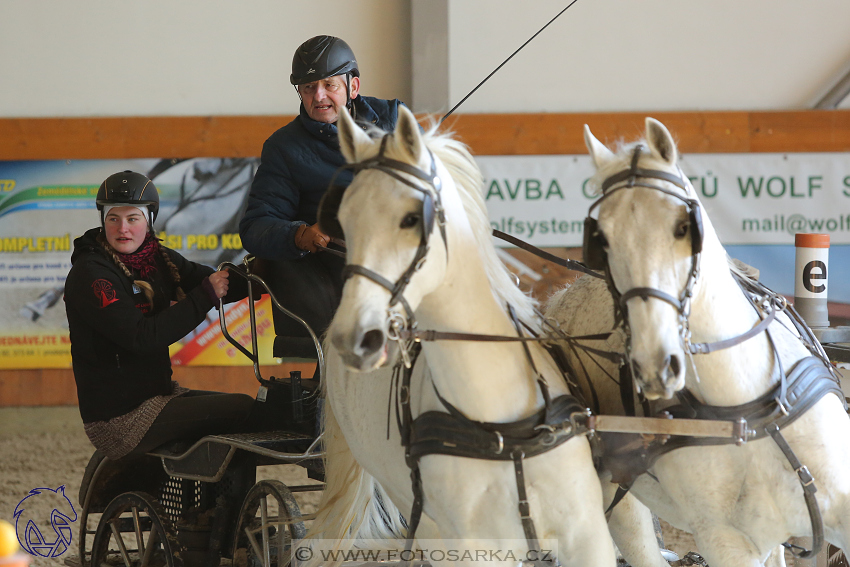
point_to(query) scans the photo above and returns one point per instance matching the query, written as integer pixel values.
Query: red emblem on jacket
(103, 292)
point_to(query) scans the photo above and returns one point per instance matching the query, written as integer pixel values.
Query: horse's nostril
(372, 341)
(673, 367)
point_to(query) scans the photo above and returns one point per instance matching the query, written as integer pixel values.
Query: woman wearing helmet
(128, 298)
(297, 164)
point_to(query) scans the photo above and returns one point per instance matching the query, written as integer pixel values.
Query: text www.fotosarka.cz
(321, 552)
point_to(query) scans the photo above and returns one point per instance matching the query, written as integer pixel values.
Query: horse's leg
(724, 546)
(570, 507)
(633, 531)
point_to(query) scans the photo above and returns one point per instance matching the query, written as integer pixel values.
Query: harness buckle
(740, 431)
(806, 478)
(782, 407)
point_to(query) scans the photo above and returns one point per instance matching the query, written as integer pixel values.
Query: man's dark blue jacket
(296, 167)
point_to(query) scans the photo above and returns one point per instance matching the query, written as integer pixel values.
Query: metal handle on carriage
(244, 271)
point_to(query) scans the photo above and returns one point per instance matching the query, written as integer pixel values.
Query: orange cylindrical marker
(810, 285)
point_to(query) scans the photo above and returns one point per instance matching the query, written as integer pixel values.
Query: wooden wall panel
(808, 131)
(487, 134)
(135, 137)
(56, 387)
(544, 134)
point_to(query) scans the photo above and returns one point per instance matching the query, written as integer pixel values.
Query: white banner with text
(750, 198)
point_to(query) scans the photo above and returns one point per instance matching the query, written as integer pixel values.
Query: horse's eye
(409, 220)
(682, 229)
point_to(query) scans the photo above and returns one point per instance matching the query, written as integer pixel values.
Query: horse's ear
(661, 142)
(351, 136)
(407, 135)
(600, 154)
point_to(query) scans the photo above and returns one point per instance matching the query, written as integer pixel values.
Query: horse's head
(393, 219)
(649, 236)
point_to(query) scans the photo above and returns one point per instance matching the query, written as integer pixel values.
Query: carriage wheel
(134, 531)
(268, 524)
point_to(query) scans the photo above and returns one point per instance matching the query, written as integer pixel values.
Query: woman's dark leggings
(195, 414)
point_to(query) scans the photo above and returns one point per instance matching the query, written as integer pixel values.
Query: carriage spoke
(149, 550)
(264, 518)
(253, 541)
(120, 542)
(140, 542)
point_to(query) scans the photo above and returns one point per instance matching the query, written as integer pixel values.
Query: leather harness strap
(808, 382)
(807, 481)
(452, 433)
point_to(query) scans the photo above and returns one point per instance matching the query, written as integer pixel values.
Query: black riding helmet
(129, 188)
(321, 57)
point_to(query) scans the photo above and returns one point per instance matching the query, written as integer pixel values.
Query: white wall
(194, 57)
(185, 57)
(621, 55)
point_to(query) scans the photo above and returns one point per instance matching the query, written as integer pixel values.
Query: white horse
(459, 286)
(740, 502)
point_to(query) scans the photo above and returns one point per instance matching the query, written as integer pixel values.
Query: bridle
(433, 214)
(596, 258)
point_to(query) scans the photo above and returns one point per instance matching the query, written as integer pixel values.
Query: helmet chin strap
(349, 102)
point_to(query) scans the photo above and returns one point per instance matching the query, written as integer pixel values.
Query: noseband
(432, 213)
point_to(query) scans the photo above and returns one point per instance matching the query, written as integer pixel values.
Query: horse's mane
(470, 184)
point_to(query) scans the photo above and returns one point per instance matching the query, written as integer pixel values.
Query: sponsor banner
(750, 198)
(45, 205)
(207, 345)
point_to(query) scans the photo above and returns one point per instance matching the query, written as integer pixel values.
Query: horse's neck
(488, 381)
(720, 310)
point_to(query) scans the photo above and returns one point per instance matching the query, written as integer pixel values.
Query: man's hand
(309, 237)
(219, 282)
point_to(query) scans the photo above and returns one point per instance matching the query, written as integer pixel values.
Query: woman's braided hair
(145, 286)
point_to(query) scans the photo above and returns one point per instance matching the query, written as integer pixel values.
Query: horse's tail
(354, 506)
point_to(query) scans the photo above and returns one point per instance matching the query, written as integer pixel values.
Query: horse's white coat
(739, 502)
(467, 499)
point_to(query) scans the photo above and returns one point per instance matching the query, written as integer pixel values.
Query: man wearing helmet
(297, 165)
(126, 304)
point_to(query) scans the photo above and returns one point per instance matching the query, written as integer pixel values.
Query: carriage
(197, 502)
